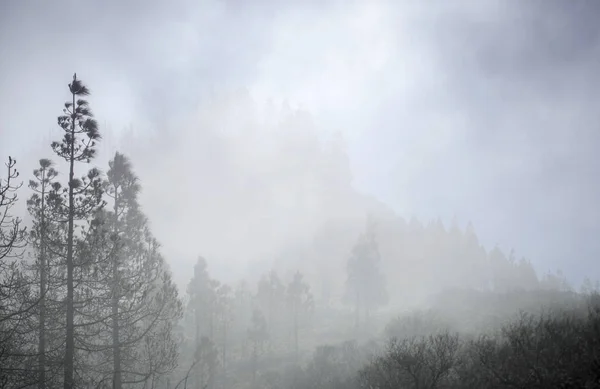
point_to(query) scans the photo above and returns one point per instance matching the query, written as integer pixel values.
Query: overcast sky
(487, 110)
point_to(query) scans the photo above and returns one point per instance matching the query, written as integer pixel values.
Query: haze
(484, 111)
(299, 194)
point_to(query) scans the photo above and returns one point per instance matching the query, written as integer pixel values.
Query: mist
(268, 135)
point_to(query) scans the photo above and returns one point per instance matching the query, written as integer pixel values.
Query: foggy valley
(221, 194)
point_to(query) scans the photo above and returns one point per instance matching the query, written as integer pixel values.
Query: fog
(265, 134)
(484, 111)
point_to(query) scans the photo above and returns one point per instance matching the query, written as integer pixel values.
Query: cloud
(486, 110)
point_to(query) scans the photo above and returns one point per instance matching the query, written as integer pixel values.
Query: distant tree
(476, 275)
(78, 145)
(242, 302)
(589, 287)
(526, 276)
(271, 299)
(300, 302)
(224, 319)
(201, 299)
(270, 296)
(365, 284)
(555, 281)
(502, 271)
(258, 336)
(206, 361)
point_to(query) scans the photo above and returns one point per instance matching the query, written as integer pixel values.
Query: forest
(88, 299)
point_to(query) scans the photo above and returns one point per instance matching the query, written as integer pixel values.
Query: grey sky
(487, 110)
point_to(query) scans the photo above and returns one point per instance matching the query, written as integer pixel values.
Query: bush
(552, 349)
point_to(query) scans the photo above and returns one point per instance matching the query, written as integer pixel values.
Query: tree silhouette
(300, 302)
(78, 145)
(16, 301)
(365, 286)
(43, 187)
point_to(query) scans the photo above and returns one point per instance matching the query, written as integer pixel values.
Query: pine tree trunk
(254, 362)
(115, 303)
(197, 353)
(70, 330)
(296, 333)
(115, 332)
(225, 354)
(42, 317)
(357, 311)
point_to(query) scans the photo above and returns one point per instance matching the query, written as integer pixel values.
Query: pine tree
(271, 299)
(258, 335)
(365, 286)
(200, 294)
(135, 301)
(78, 145)
(41, 239)
(300, 302)
(225, 314)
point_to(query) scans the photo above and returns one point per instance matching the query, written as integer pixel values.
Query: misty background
(249, 125)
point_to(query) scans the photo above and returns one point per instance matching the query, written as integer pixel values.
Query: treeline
(420, 259)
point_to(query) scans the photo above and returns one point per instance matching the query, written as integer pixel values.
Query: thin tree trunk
(296, 333)
(211, 325)
(115, 302)
(42, 317)
(197, 353)
(254, 362)
(70, 333)
(116, 346)
(357, 311)
(225, 354)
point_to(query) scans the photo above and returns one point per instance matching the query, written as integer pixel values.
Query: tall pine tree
(78, 145)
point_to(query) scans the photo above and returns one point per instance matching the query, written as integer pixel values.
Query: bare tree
(417, 363)
(12, 239)
(15, 292)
